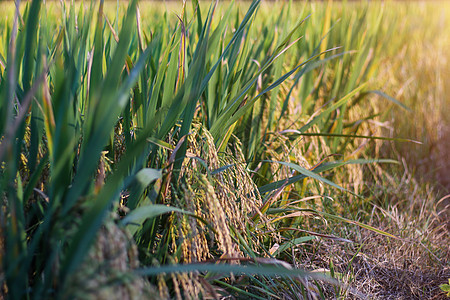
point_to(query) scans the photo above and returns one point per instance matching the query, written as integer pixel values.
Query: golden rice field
(224, 150)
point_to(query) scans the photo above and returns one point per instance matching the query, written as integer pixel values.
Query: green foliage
(446, 288)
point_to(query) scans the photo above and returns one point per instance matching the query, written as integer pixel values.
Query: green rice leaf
(293, 243)
(138, 215)
(266, 270)
(333, 107)
(392, 99)
(313, 175)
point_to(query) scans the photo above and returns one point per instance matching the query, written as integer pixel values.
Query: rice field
(242, 150)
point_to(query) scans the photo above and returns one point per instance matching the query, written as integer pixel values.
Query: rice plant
(146, 153)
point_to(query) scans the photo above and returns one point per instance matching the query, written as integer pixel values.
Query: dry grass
(376, 267)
